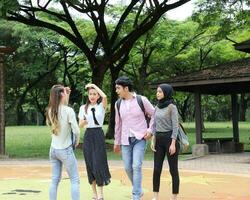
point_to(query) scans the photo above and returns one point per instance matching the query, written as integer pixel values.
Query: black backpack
(140, 102)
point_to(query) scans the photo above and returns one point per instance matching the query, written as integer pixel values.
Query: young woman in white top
(92, 115)
(62, 121)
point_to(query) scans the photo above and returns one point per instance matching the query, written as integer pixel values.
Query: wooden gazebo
(230, 78)
(243, 46)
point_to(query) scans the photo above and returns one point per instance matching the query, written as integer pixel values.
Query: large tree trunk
(142, 80)
(2, 117)
(19, 110)
(99, 72)
(40, 108)
(111, 128)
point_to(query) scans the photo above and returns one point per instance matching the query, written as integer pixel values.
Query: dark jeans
(163, 142)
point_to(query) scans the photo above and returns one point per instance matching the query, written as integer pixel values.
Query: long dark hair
(99, 100)
(53, 108)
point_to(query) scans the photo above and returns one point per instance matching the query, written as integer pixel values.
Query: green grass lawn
(34, 141)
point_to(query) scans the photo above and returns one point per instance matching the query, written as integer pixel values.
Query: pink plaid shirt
(132, 120)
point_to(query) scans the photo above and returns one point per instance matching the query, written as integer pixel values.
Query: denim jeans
(132, 156)
(66, 157)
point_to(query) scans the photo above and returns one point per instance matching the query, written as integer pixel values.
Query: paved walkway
(217, 177)
(236, 163)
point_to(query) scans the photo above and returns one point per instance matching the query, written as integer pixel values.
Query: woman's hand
(153, 143)
(172, 148)
(77, 142)
(82, 123)
(90, 85)
(100, 92)
(67, 90)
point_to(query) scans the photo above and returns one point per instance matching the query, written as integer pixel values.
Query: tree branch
(74, 28)
(42, 9)
(36, 22)
(138, 13)
(127, 42)
(187, 43)
(121, 21)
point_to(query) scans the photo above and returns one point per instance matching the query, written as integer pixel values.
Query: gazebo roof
(6, 50)
(243, 46)
(226, 78)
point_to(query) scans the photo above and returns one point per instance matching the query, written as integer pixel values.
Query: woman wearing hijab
(164, 139)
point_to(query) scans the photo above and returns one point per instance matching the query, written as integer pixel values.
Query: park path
(216, 176)
(236, 163)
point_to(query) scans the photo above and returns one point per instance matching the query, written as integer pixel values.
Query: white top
(99, 114)
(67, 121)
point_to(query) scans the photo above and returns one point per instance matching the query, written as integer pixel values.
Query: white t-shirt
(99, 114)
(67, 121)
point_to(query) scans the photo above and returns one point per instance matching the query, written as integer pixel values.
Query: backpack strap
(118, 105)
(140, 103)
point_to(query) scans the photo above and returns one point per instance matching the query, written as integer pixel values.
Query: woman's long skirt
(95, 155)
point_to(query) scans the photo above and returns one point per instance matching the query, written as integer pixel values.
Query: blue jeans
(132, 156)
(67, 158)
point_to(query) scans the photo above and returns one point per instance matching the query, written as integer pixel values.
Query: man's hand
(117, 149)
(147, 136)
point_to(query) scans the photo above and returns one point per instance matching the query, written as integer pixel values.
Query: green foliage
(227, 15)
(177, 48)
(36, 65)
(219, 103)
(6, 38)
(6, 5)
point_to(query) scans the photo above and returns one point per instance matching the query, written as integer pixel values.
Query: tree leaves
(6, 5)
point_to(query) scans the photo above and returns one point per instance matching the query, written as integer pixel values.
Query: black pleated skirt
(94, 151)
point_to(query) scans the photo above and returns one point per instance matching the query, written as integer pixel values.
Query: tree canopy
(73, 42)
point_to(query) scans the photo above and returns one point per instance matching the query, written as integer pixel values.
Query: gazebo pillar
(235, 117)
(198, 121)
(198, 149)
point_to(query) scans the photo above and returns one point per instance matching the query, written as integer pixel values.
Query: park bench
(220, 145)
